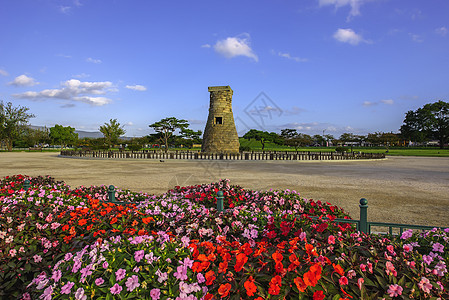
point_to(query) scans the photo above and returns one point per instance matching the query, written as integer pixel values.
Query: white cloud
(64, 55)
(348, 36)
(205, 46)
(387, 101)
(354, 4)
(136, 87)
(369, 103)
(82, 75)
(65, 9)
(129, 124)
(235, 46)
(73, 90)
(23, 80)
(3, 72)
(288, 56)
(416, 38)
(441, 31)
(92, 60)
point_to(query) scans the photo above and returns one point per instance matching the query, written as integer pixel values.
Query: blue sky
(334, 65)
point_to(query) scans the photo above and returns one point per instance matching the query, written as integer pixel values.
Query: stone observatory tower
(220, 134)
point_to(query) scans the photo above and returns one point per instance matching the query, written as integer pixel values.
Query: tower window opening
(218, 120)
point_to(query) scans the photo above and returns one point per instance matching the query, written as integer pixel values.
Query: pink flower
(360, 281)
(132, 283)
(67, 287)
(116, 289)
(425, 285)
(437, 247)
(37, 258)
(99, 281)
(394, 290)
(120, 274)
(331, 240)
(79, 295)
(390, 270)
(12, 252)
(343, 280)
(155, 294)
(56, 276)
(407, 248)
(138, 255)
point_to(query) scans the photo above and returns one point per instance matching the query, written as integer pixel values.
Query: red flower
(343, 280)
(279, 267)
(114, 220)
(250, 286)
(338, 269)
(318, 295)
(300, 284)
(277, 257)
(82, 222)
(210, 277)
(313, 275)
(275, 285)
(224, 289)
(241, 260)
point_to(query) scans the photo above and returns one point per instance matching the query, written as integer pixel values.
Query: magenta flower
(37, 258)
(99, 281)
(67, 287)
(437, 247)
(394, 290)
(56, 276)
(132, 283)
(138, 255)
(427, 259)
(407, 234)
(120, 274)
(155, 294)
(116, 289)
(105, 265)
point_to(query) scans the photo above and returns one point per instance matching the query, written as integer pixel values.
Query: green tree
(258, 135)
(167, 127)
(63, 136)
(13, 122)
(34, 137)
(288, 133)
(112, 132)
(428, 122)
(299, 140)
(319, 139)
(329, 138)
(190, 137)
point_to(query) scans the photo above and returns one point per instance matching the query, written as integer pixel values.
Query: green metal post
(26, 185)
(364, 215)
(220, 201)
(111, 193)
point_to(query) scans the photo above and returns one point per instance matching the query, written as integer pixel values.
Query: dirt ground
(411, 190)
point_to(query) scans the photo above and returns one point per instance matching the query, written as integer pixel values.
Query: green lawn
(257, 146)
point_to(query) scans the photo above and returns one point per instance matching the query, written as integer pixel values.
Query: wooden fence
(264, 155)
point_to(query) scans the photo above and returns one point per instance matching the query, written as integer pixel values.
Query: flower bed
(57, 242)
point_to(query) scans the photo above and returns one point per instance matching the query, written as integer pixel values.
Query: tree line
(430, 122)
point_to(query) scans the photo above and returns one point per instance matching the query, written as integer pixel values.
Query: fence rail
(361, 225)
(195, 155)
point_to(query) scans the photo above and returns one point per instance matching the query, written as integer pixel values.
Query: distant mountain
(84, 134)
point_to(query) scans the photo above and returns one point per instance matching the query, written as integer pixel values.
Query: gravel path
(413, 190)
